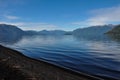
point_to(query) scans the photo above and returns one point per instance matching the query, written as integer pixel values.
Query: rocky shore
(15, 66)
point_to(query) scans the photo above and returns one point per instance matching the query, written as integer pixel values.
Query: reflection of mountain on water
(10, 40)
(92, 37)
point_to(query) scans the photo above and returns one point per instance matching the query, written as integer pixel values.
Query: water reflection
(10, 39)
(114, 38)
(97, 55)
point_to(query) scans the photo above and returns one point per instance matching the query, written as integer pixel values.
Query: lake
(97, 56)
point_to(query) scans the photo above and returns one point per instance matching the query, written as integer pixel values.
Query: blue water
(96, 56)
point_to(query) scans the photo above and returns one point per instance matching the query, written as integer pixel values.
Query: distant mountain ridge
(14, 30)
(13, 33)
(45, 32)
(93, 30)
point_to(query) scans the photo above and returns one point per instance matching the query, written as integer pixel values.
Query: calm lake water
(98, 56)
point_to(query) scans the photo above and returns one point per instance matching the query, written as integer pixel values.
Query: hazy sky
(59, 14)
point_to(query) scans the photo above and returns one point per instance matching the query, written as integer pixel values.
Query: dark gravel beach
(15, 66)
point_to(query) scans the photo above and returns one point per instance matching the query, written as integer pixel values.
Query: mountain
(115, 32)
(93, 30)
(52, 32)
(31, 33)
(14, 31)
(10, 32)
(45, 32)
(10, 29)
(68, 33)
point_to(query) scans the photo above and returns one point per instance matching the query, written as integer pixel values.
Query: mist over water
(97, 56)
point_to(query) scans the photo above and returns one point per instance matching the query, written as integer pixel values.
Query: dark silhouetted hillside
(115, 32)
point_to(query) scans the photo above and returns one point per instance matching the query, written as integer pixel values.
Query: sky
(59, 14)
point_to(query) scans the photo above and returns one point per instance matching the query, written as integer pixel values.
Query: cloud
(102, 16)
(33, 26)
(11, 17)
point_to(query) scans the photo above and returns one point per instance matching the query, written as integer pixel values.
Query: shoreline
(16, 66)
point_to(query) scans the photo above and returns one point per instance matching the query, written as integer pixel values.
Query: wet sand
(15, 66)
